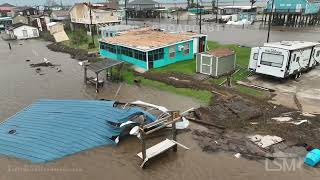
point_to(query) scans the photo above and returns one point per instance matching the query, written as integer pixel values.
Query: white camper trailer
(285, 58)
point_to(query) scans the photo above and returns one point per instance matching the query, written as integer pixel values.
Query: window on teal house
(132, 53)
(102, 45)
(156, 54)
(109, 47)
(186, 50)
(172, 51)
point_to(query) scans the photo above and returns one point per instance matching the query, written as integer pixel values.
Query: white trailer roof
(291, 45)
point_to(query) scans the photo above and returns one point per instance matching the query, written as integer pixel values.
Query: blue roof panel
(51, 129)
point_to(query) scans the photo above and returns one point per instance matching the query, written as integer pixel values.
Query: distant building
(26, 11)
(22, 31)
(61, 15)
(148, 48)
(5, 22)
(39, 21)
(20, 19)
(292, 13)
(143, 9)
(293, 6)
(6, 9)
(101, 14)
(143, 4)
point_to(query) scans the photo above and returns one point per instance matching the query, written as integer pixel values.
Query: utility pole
(213, 6)
(125, 11)
(217, 11)
(270, 18)
(90, 11)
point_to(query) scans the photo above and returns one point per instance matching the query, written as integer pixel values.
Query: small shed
(216, 62)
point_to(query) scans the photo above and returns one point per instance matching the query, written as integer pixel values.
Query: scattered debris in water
(265, 141)
(43, 64)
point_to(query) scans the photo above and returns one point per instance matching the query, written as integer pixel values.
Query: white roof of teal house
(146, 39)
(291, 45)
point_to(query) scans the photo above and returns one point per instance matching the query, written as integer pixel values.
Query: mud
(238, 115)
(241, 118)
(78, 54)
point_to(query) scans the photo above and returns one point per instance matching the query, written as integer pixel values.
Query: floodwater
(250, 35)
(20, 85)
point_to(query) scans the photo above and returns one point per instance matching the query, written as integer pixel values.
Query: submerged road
(226, 34)
(21, 85)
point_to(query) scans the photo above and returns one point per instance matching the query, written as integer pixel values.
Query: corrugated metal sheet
(51, 129)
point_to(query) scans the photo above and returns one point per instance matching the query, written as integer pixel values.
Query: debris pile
(46, 63)
(233, 123)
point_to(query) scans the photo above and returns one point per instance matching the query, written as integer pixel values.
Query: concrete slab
(307, 90)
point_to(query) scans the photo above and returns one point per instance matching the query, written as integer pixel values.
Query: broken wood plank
(205, 123)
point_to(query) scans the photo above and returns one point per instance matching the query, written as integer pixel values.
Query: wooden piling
(85, 74)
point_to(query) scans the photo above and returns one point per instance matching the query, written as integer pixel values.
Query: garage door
(206, 65)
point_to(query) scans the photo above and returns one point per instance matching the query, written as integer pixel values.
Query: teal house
(293, 6)
(148, 48)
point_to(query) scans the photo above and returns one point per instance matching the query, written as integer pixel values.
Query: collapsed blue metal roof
(51, 129)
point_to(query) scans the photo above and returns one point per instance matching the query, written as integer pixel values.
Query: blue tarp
(51, 129)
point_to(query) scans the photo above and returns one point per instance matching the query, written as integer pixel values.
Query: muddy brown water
(21, 85)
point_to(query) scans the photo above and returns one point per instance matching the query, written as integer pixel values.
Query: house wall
(20, 19)
(106, 17)
(18, 32)
(137, 62)
(180, 56)
(81, 14)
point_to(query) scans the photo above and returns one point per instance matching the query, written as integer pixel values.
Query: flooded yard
(21, 85)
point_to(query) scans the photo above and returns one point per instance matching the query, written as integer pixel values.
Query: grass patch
(74, 41)
(189, 66)
(201, 95)
(250, 91)
(186, 67)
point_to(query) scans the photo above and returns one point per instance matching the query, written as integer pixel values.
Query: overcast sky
(42, 2)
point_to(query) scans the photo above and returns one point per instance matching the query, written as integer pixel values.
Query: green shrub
(79, 36)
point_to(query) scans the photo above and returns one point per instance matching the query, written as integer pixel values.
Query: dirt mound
(241, 117)
(78, 54)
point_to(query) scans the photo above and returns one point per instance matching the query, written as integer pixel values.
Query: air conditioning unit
(180, 48)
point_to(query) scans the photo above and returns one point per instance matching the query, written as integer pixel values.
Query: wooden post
(229, 81)
(143, 144)
(85, 74)
(97, 83)
(174, 115)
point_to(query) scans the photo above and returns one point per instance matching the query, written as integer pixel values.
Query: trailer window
(274, 60)
(255, 56)
(318, 53)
